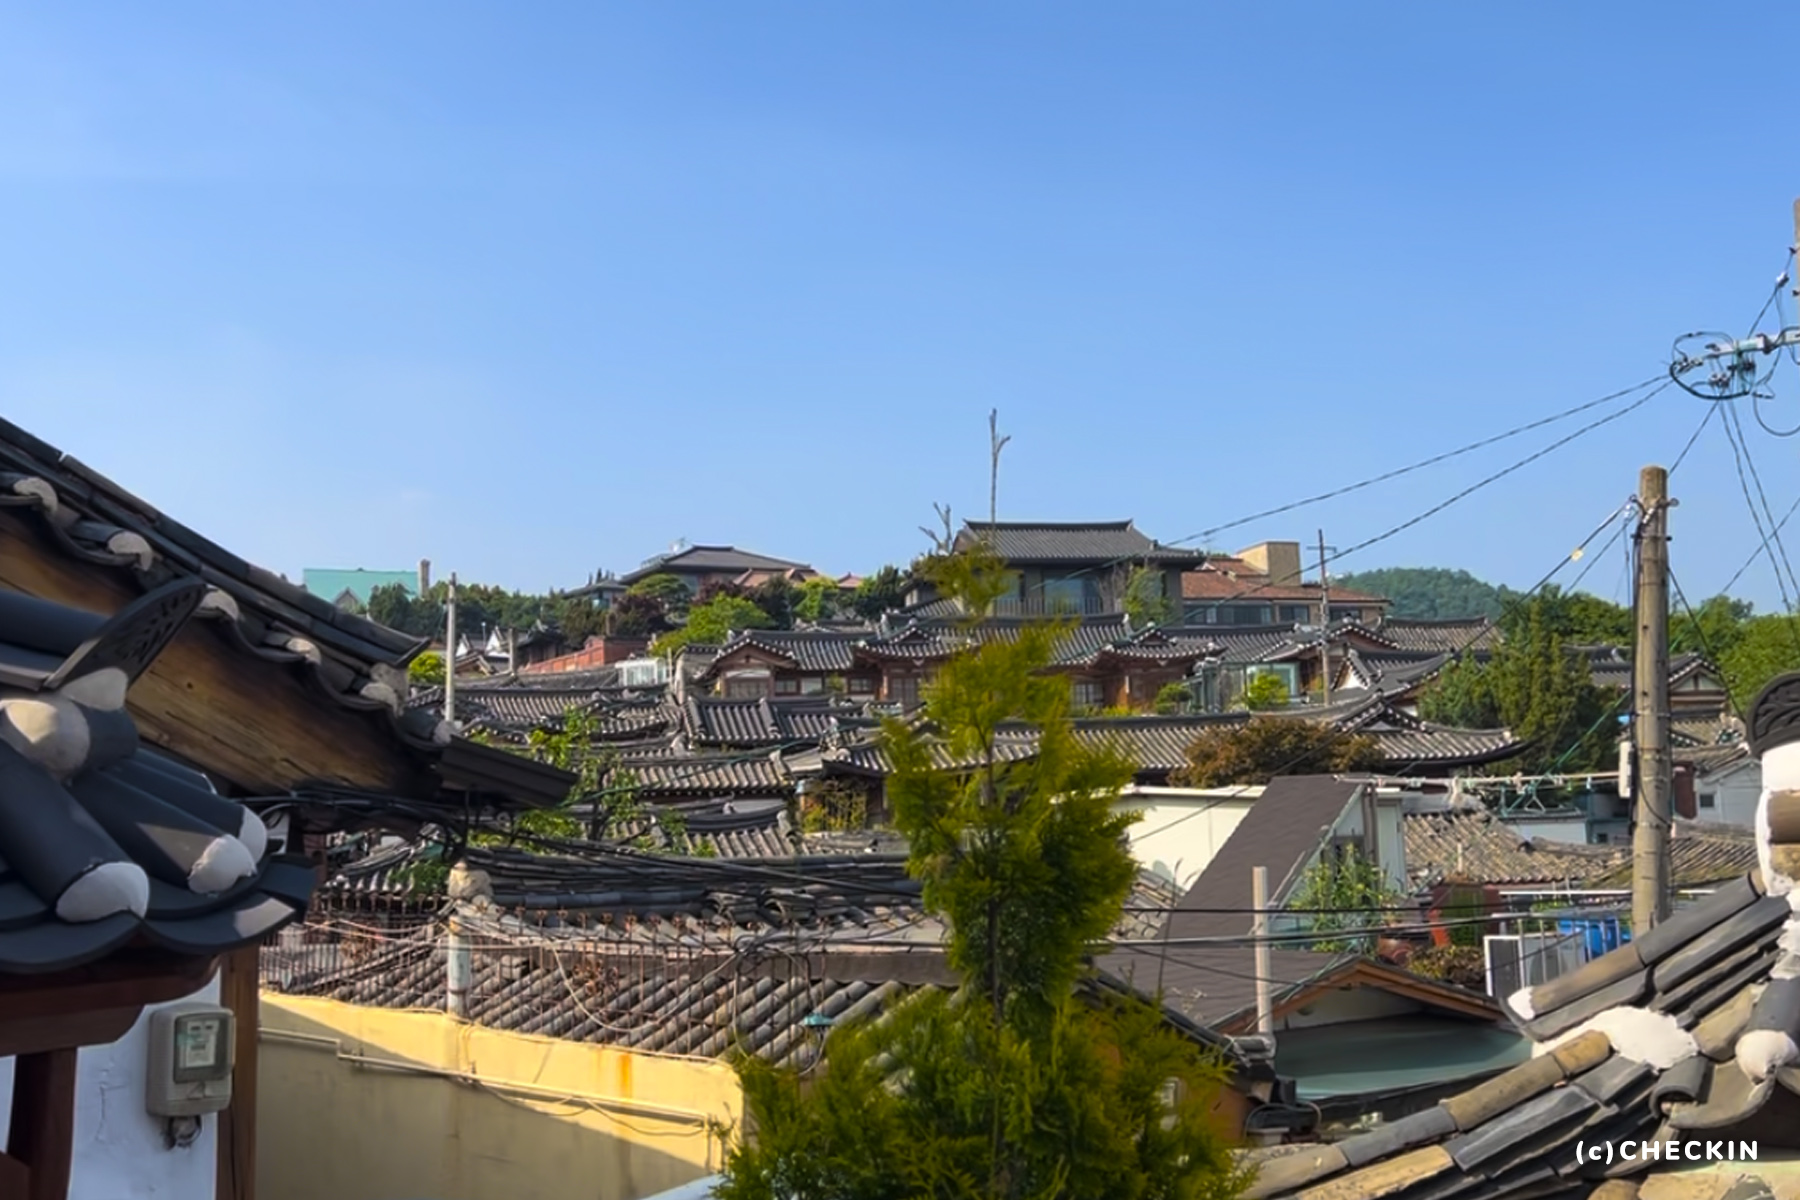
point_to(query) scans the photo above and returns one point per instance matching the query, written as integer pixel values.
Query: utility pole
(1259, 900)
(1650, 710)
(1325, 623)
(450, 652)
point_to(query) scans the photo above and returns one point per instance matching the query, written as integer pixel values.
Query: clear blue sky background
(535, 289)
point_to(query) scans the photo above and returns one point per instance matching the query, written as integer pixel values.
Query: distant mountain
(1430, 593)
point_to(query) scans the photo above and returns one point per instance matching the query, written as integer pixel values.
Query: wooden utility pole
(1259, 900)
(450, 651)
(1324, 622)
(1650, 709)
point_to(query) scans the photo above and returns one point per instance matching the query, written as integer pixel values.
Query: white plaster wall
(1735, 796)
(119, 1150)
(1183, 828)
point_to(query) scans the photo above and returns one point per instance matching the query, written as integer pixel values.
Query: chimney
(1280, 561)
(424, 576)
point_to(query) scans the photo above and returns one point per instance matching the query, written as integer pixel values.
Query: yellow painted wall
(543, 1120)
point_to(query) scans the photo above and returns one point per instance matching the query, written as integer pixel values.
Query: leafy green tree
(1534, 686)
(1173, 698)
(1429, 593)
(881, 592)
(776, 596)
(1145, 602)
(713, 622)
(392, 605)
(820, 599)
(1714, 629)
(427, 670)
(1013, 1085)
(667, 590)
(1766, 646)
(1350, 892)
(635, 615)
(1265, 747)
(1577, 618)
(1264, 691)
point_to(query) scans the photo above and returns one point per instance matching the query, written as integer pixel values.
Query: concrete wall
(120, 1153)
(376, 1104)
(1182, 828)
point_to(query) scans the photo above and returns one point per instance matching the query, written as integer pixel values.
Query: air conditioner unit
(1518, 960)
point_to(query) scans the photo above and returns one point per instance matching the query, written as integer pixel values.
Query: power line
(1428, 462)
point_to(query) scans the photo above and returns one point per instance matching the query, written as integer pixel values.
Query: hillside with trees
(1430, 593)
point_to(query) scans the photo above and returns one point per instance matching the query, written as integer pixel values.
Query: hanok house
(1681, 1042)
(279, 699)
(1264, 586)
(786, 663)
(1080, 568)
(698, 566)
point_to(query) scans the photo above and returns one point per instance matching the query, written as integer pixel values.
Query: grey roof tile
(104, 842)
(1081, 542)
(355, 662)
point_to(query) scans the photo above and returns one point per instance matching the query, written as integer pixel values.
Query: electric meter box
(191, 1048)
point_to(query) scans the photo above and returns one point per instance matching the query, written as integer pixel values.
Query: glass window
(1089, 693)
(1065, 595)
(746, 685)
(812, 685)
(862, 685)
(787, 687)
(1708, 800)
(1295, 612)
(903, 689)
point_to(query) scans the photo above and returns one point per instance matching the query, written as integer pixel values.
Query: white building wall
(120, 1153)
(1735, 793)
(1181, 829)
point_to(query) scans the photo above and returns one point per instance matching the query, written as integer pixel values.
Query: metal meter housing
(191, 1055)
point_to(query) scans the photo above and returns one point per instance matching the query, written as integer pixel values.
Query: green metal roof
(1362, 1057)
(329, 584)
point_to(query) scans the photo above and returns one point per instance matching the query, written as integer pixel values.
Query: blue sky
(535, 289)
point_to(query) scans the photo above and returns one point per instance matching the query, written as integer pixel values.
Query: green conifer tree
(1019, 1082)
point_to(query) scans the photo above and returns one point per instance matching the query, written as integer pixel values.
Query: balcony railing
(1052, 606)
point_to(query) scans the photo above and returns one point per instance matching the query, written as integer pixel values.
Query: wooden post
(240, 991)
(1325, 624)
(42, 1137)
(1259, 901)
(1650, 715)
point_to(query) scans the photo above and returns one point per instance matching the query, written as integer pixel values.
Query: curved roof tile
(103, 843)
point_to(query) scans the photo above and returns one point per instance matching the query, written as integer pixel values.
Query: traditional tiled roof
(1158, 744)
(1697, 858)
(103, 843)
(711, 721)
(1068, 543)
(1440, 637)
(809, 650)
(709, 560)
(667, 955)
(1475, 846)
(356, 662)
(714, 775)
(1688, 1031)
(1611, 666)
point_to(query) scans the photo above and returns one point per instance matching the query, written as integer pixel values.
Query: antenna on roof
(996, 444)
